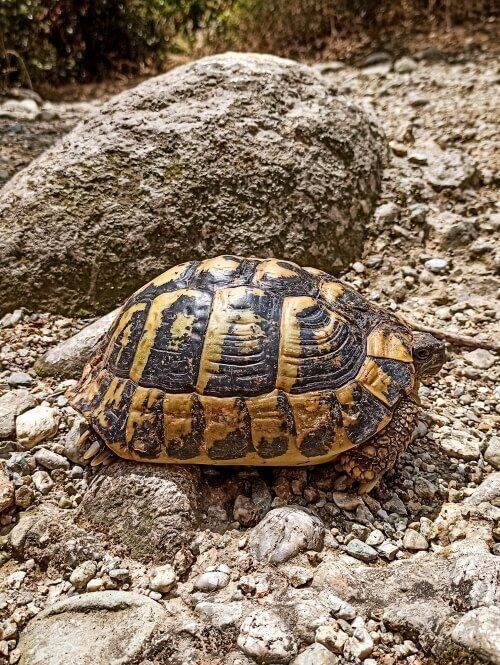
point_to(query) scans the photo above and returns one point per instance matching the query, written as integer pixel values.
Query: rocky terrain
(137, 564)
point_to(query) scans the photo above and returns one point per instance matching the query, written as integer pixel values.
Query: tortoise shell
(245, 361)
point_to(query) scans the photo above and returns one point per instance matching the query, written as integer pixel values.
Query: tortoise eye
(422, 354)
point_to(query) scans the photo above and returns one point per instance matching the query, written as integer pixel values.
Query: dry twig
(453, 338)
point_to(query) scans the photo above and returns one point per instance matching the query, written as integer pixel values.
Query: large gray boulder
(103, 628)
(236, 153)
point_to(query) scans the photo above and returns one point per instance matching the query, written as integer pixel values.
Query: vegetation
(55, 41)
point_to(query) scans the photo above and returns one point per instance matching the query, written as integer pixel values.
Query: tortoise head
(429, 354)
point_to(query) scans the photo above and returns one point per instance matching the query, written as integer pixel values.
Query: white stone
(437, 265)
(13, 403)
(50, 460)
(360, 645)
(466, 449)
(479, 632)
(36, 425)
(492, 452)
(480, 358)
(82, 574)
(315, 654)
(42, 481)
(265, 637)
(414, 541)
(215, 577)
(162, 578)
(405, 65)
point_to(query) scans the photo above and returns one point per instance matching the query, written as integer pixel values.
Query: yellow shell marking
(177, 419)
(385, 344)
(266, 418)
(373, 378)
(112, 397)
(125, 318)
(140, 413)
(151, 326)
(222, 416)
(223, 316)
(270, 268)
(168, 275)
(331, 291)
(290, 355)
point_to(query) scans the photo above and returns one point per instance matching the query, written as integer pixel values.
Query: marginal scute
(271, 435)
(372, 377)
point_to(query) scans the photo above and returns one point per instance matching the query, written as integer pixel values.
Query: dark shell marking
(246, 361)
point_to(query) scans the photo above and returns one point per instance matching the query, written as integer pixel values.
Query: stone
(388, 550)
(17, 379)
(82, 574)
(284, 532)
(214, 578)
(487, 491)
(103, 628)
(68, 358)
(360, 645)
(437, 266)
(50, 460)
(42, 481)
(19, 109)
(414, 541)
(36, 425)
(220, 615)
(480, 358)
(478, 632)
(331, 636)
(465, 448)
(7, 490)
(346, 501)
(376, 537)
(151, 509)
(12, 404)
(225, 155)
(95, 584)
(74, 448)
(451, 169)
(360, 550)
(492, 452)
(387, 213)
(265, 637)
(315, 654)
(405, 65)
(162, 579)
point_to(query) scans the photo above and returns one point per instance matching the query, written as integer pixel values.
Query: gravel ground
(430, 255)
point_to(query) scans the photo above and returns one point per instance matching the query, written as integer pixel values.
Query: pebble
(331, 636)
(17, 379)
(405, 65)
(6, 492)
(480, 358)
(388, 550)
(42, 481)
(387, 213)
(437, 266)
(346, 501)
(466, 449)
(214, 578)
(376, 537)
(360, 550)
(82, 574)
(50, 460)
(492, 452)
(13, 403)
(315, 654)
(95, 584)
(414, 541)
(265, 637)
(36, 425)
(360, 645)
(162, 579)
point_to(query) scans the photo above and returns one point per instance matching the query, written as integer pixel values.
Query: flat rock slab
(67, 359)
(232, 154)
(151, 509)
(102, 628)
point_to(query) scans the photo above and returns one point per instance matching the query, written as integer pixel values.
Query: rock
(437, 266)
(82, 574)
(388, 550)
(6, 492)
(488, 490)
(346, 501)
(12, 404)
(316, 654)
(50, 460)
(19, 109)
(405, 65)
(284, 532)
(17, 379)
(387, 213)
(149, 508)
(265, 637)
(492, 452)
(478, 632)
(100, 628)
(162, 579)
(245, 511)
(451, 230)
(414, 541)
(67, 359)
(360, 550)
(360, 645)
(214, 578)
(221, 615)
(331, 636)
(376, 537)
(451, 169)
(466, 449)
(227, 154)
(74, 448)
(395, 505)
(480, 358)
(36, 425)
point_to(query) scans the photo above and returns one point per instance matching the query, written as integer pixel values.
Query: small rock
(466, 449)
(479, 632)
(265, 637)
(417, 157)
(24, 496)
(451, 169)
(331, 636)
(414, 541)
(405, 65)
(284, 532)
(35, 425)
(387, 213)
(316, 654)
(245, 511)
(50, 460)
(360, 645)
(480, 358)
(346, 501)
(360, 550)
(162, 579)
(437, 266)
(13, 403)
(376, 537)
(82, 574)
(17, 379)
(298, 576)
(95, 584)
(214, 578)
(492, 452)
(395, 505)
(6, 492)
(74, 448)
(42, 481)
(388, 550)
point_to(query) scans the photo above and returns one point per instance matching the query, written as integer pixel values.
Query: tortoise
(248, 361)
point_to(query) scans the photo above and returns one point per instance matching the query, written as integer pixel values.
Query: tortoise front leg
(367, 464)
